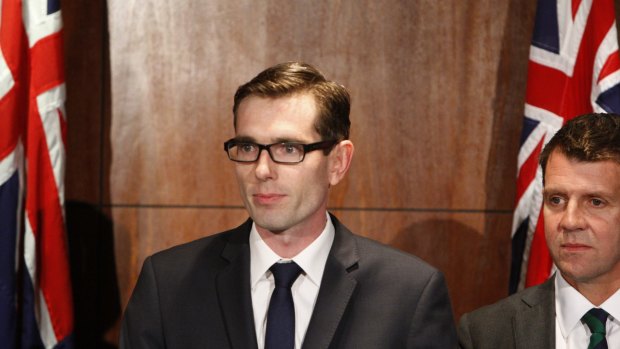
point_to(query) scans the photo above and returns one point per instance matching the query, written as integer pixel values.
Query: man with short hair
(292, 276)
(579, 307)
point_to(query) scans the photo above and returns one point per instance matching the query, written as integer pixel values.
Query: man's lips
(267, 198)
(574, 247)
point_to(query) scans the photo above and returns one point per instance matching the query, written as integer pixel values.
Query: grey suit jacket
(525, 320)
(197, 295)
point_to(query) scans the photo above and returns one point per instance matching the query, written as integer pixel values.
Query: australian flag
(36, 308)
(574, 69)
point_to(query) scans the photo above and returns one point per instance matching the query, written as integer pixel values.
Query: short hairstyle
(332, 100)
(589, 137)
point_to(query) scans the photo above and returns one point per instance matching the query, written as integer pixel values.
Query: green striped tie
(596, 319)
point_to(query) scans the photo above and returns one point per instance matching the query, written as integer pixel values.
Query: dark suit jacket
(197, 295)
(525, 320)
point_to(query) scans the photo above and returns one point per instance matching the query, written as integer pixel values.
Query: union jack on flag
(36, 309)
(574, 69)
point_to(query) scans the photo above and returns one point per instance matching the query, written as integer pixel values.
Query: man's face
(280, 197)
(582, 219)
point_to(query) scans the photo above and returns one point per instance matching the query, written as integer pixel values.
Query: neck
(288, 246)
(289, 243)
(595, 292)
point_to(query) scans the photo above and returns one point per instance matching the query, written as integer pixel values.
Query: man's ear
(339, 161)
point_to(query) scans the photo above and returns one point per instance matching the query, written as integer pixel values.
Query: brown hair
(284, 79)
(590, 137)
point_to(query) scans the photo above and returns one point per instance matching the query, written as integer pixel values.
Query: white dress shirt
(305, 289)
(571, 306)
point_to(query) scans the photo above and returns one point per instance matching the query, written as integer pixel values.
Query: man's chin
(270, 225)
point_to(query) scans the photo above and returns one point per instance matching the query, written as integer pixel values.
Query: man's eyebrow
(599, 194)
(547, 191)
(248, 139)
(244, 139)
(593, 193)
(288, 140)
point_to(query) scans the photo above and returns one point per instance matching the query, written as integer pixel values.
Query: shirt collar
(612, 305)
(312, 259)
(571, 305)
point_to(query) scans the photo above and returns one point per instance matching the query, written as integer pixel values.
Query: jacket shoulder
(498, 325)
(376, 251)
(206, 249)
(509, 306)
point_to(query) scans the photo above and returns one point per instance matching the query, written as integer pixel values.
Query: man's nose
(573, 217)
(264, 166)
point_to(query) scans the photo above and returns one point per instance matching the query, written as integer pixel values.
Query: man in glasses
(292, 276)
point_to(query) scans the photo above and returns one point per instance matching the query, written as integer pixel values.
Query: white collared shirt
(305, 289)
(571, 306)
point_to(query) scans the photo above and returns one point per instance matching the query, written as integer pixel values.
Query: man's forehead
(265, 123)
(588, 177)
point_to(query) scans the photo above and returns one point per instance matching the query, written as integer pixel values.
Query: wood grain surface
(437, 88)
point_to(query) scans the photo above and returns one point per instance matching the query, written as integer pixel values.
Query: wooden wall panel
(437, 89)
(433, 111)
(85, 68)
(427, 99)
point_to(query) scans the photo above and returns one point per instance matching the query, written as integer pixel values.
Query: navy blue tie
(280, 332)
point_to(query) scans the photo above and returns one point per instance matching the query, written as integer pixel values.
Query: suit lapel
(535, 327)
(336, 290)
(233, 289)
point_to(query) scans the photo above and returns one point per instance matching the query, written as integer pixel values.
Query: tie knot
(285, 274)
(596, 318)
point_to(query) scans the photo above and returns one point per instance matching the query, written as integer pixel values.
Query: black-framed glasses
(281, 152)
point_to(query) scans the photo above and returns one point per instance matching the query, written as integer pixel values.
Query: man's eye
(597, 202)
(246, 147)
(555, 200)
(290, 148)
